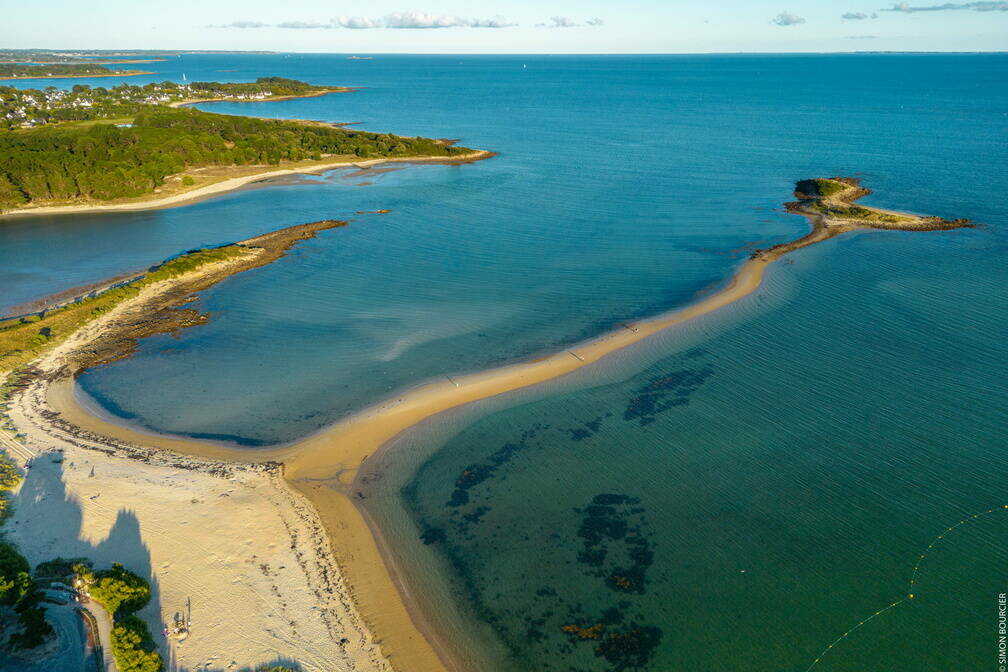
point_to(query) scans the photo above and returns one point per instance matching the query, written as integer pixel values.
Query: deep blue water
(817, 436)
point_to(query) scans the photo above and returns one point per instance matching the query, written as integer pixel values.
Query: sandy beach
(323, 468)
(234, 540)
(223, 186)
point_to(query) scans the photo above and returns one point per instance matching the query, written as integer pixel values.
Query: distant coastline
(115, 73)
(313, 94)
(324, 467)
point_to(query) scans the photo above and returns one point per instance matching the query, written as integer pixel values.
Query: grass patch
(855, 213)
(23, 339)
(821, 187)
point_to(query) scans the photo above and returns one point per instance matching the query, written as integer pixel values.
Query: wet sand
(323, 467)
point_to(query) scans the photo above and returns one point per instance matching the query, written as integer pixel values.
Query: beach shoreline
(325, 466)
(271, 99)
(234, 183)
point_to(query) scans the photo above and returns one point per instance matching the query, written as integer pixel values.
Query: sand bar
(323, 467)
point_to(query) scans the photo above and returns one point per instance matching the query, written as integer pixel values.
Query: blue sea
(736, 494)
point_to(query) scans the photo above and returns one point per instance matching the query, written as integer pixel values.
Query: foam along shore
(258, 174)
(323, 467)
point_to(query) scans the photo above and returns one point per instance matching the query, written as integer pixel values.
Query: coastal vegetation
(10, 477)
(823, 187)
(29, 108)
(832, 198)
(117, 589)
(133, 648)
(122, 593)
(20, 593)
(855, 212)
(263, 86)
(29, 70)
(23, 339)
(102, 162)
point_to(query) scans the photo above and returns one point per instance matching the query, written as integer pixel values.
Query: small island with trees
(832, 198)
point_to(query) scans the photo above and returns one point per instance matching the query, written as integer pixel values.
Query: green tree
(15, 577)
(133, 648)
(119, 590)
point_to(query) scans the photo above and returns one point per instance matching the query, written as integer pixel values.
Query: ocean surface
(734, 495)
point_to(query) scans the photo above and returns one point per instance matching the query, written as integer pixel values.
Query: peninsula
(62, 71)
(133, 148)
(43, 354)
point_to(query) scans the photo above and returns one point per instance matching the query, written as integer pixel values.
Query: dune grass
(23, 339)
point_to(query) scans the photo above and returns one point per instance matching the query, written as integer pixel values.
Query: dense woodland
(106, 161)
(274, 86)
(35, 70)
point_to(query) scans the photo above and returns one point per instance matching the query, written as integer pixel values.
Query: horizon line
(513, 53)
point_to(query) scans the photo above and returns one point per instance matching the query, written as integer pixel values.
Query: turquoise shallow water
(762, 486)
(816, 436)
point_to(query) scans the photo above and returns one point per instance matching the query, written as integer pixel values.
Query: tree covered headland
(45, 70)
(106, 161)
(271, 86)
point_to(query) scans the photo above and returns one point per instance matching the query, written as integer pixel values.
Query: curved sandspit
(323, 466)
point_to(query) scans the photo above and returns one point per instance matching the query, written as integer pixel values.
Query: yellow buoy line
(913, 581)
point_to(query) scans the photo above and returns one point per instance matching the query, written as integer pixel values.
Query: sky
(509, 26)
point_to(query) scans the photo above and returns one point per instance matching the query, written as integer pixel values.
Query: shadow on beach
(44, 508)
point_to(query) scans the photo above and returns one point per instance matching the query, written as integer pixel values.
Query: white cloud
(240, 24)
(594, 22)
(787, 19)
(988, 6)
(495, 22)
(856, 16)
(356, 22)
(422, 20)
(396, 20)
(861, 37)
(303, 25)
(559, 22)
